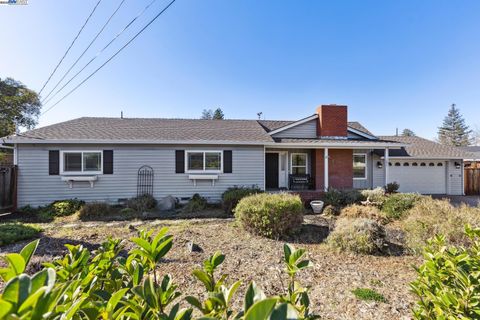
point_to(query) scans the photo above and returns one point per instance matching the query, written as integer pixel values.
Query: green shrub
(366, 294)
(361, 235)
(430, 217)
(376, 196)
(65, 207)
(341, 198)
(398, 203)
(195, 204)
(95, 210)
(270, 215)
(448, 282)
(109, 283)
(142, 203)
(232, 196)
(358, 211)
(392, 187)
(14, 232)
(331, 211)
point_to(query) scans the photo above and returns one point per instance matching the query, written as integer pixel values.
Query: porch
(318, 169)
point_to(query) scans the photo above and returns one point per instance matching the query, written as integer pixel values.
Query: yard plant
(232, 196)
(270, 215)
(105, 284)
(397, 204)
(14, 232)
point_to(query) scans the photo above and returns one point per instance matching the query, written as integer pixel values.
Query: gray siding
(365, 183)
(36, 187)
(304, 130)
(455, 178)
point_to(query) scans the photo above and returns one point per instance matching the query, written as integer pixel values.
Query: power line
(86, 49)
(71, 45)
(102, 50)
(113, 56)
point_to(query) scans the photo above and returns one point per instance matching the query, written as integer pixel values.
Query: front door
(271, 170)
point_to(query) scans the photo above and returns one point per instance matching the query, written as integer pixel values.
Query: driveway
(472, 201)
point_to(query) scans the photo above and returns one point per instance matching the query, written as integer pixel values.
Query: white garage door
(428, 177)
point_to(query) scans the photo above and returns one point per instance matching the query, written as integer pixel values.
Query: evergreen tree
(207, 114)
(454, 131)
(218, 114)
(408, 133)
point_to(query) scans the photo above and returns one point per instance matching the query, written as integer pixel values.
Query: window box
(196, 177)
(71, 179)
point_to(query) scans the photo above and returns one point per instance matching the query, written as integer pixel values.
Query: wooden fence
(8, 188)
(472, 181)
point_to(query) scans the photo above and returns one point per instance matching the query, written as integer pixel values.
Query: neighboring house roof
(421, 148)
(474, 152)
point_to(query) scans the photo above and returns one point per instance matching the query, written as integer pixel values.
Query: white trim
(386, 165)
(63, 172)
(15, 155)
(361, 133)
(366, 165)
(326, 178)
(294, 124)
(204, 152)
(306, 161)
(71, 179)
(342, 145)
(196, 177)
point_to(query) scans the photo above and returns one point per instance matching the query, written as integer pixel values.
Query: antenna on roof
(259, 114)
(121, 114)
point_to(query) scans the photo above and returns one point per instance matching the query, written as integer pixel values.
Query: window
(415, 164)
(208, 161)
(439, 164)
(299, 163)
(406, 164)
(82, 162)
(422, 164)
(359, 166)
(397, 164)
(431, 164)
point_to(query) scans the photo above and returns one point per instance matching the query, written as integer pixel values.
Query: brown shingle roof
(140, 129)
(423, 148)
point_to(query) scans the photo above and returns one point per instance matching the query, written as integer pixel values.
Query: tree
(207, 114)
(476, 136)
(408, 133)
(218, 114)
(454, 131)
(19, 106)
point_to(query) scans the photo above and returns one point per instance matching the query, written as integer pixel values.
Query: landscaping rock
(166, 204)
(193, 247)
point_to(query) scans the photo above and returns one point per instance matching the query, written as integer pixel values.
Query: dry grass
(359, 211)
(249, 257)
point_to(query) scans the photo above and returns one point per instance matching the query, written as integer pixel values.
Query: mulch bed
(249, 257)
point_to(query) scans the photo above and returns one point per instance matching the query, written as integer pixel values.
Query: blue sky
(394, 63)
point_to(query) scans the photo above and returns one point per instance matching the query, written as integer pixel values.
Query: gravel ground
(332, 278)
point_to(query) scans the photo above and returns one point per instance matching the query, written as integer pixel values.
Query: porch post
(325, 168)
(386, 164)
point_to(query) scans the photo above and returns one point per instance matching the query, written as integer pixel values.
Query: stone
(166, 204)
(193, 247)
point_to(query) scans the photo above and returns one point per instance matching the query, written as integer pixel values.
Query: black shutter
(107, 161)
(227, 161)
(53, 162)
(179, 161)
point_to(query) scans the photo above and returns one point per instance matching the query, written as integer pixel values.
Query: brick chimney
(332, 121)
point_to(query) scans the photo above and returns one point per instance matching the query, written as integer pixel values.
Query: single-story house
(112, 159)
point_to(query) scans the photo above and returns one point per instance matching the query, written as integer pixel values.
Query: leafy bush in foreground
(232, 196)
(270, 215)
(14, 232)
(430, 217)
(57, 208)
(399, 203)
(104, 285)
(392, 187)
(360, 235)
(448, 282)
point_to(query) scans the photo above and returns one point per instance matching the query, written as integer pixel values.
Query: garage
(425, 176)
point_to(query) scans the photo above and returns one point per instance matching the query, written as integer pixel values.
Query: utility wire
(84, 51)
(102, 50)
(113, 56)
(71, 45)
